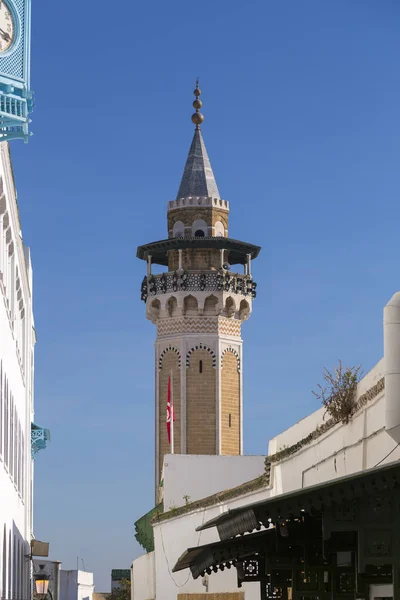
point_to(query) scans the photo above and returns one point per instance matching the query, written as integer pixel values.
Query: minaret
(198, 306)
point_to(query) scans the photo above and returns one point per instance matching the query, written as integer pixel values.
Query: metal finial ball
(197, 118)
(197, 92)
(197, 104)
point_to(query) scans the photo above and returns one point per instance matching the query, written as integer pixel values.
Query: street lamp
(41, 583)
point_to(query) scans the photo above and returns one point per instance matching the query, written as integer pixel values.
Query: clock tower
(198, 306)
(16, 99)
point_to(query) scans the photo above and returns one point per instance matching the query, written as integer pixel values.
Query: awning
(311, 500)
(223, 555)
(281, 511)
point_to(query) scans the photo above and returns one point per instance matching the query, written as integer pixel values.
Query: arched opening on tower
(230, 307)
(244, 310)
(199, 228)
(210, 305)
(190, 305)
(219, 229)
(178, 229)
(155, 308)
(172, 306)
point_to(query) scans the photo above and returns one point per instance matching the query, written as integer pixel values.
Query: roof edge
(244, 488)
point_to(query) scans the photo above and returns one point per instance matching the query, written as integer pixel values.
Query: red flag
(170, 411)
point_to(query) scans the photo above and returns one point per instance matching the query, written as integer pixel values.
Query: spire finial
(197, 117)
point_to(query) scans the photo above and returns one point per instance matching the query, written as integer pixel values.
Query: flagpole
(172, 415)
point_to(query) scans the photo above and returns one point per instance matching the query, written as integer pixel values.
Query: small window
(230, 420)
(201, 366)
(199, 233)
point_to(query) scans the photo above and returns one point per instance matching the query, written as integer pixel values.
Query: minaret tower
(198, 306)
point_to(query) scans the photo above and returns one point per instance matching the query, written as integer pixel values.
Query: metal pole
(172, 415)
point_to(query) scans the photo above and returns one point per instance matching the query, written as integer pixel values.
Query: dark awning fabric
(311, 500)
(201, 558)
(246, 519)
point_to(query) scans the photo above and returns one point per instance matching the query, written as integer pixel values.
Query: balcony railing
(195, 281)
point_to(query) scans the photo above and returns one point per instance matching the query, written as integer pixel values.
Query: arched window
(190, 305)
(199, 228)
(172, 306)
(178, 229)
(219, 229)
(230, 307)
(210, 305)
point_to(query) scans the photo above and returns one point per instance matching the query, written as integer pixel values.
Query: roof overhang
(309, 501)
(201, 558)
(239, 521)
(237, 251)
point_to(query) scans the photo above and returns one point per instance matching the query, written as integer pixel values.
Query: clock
(7, 27)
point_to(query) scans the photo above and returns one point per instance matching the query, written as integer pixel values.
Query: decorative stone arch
(230, 307)
(219, 229)
(236, 354)
(201, 347)
(164, 352)
(199, 225)
(178, 229)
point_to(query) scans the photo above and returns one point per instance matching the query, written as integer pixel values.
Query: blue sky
(301, 105)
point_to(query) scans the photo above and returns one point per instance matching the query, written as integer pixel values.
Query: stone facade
(194, 325)
(230, 404)
(201, 404)
(189, 214)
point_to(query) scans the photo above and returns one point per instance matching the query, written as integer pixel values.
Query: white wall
(143, 578)
(16, 391)
(76, 585)
(174, 536)
(202, 476)
(345, 449)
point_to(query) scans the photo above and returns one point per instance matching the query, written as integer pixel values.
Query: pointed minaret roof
(198, 177)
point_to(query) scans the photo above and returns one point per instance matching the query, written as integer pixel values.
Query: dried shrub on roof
(339, 393)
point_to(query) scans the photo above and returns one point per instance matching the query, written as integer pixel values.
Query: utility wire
(387, 455)
(166, 558)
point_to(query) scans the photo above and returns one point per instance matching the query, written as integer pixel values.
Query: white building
(63, 584)
(314, 450)
(76, 585)
(17, 339)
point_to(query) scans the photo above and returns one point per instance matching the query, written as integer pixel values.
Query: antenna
(83, 564)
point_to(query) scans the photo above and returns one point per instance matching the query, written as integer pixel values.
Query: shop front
(338, 540)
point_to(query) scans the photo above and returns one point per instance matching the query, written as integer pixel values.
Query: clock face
(7, 29)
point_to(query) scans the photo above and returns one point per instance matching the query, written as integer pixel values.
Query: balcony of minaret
(198, 293)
